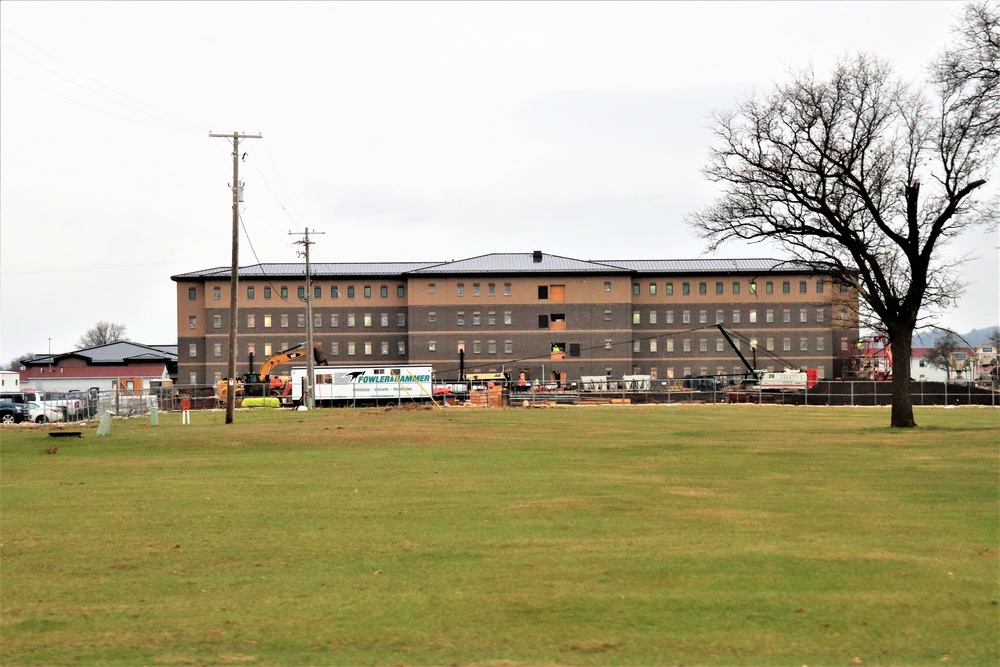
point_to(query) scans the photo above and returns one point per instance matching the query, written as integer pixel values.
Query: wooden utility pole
(234, 275)
(309, 399)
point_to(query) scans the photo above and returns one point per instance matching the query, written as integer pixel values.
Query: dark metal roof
(509, 263)
(299, 270)
(707, 265)
(111, 353)
(519, 263)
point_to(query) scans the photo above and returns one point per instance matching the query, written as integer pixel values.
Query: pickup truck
(13, 413)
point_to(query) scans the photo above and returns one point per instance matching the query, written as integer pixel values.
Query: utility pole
(309, 398)
(234, 275)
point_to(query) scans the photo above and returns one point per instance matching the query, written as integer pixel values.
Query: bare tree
(864, 177)
(995, 338)
(102, 333)
(18, 361)
(939, 356)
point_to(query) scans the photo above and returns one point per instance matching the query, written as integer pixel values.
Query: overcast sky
(402, 131)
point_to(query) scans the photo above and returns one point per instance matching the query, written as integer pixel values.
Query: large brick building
(550, 317)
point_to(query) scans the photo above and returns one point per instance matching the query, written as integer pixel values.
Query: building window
(607, 315)
(719, 345)
(508, 317)
(803, 287)
(475, 289)
(384, 319)
(267, 349)
(769, 317)
(301, 292)
(736, 287)
(317, 321)
(267, 321)
(193, 350)
(652, 289)
(368, 291)
(217, 321)
(719, 317)
(819, 287)
(401, 319)
(786, 344)
(543, 321)
(192, 293)
(267, 292)
(284, 320)
(476, 319)
(300, 320)
(432, 316)
(350, 319)
(334, 292)
(820, 344)
(686, 346)
(192, 321)
(607, 286)
(491, 289)
(317, 292)
(636, 317)
(702, 345)
(670, 317)
(384, 291)
(736, 317)
(216, 378)
(702, 317)
(334, 319)
(702, 288)
(719, 288)
(819, 314)
(351, 348)
(508, 347)
(401, 347)
(217, 350)
(251, 320)
(803, 315)
(491, 318)
(843, 345)
(543, 292)
(769, 287)
(431, 288)
(477, 347)
(432, 346)
(460, 319)
(350, 291)
(461, 289)
(635, 289)
(670, 345)
(507, 289)
(670, 289)
(401, 291)
(385, 347)
(335, 348)
(367, 319)
(686, 317)
(652, 317)
(786, 287)
(803, 344)
(843, 314)
(216, 293)
(250, 292)
(284, 292)
(652, 345)
(786, 316)
(769, 345)
(685, 288)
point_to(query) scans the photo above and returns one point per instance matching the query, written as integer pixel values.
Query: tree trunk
(902, 401)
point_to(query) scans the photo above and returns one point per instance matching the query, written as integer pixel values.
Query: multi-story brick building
(550, 317)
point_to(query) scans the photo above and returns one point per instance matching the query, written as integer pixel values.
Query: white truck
(340, 385)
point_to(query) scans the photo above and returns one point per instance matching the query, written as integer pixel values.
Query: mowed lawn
(696, 535)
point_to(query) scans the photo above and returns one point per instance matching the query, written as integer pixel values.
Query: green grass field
(696, 535)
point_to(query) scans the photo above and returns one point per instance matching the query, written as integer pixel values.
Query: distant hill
(976, 337)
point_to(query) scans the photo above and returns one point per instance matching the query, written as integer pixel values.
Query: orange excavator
(260, 383)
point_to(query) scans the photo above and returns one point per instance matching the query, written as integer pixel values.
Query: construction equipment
(260, 383)
(873, 360)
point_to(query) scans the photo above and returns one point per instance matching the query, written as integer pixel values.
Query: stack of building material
(492, 397)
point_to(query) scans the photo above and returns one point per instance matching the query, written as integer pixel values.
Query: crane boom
(746, 363)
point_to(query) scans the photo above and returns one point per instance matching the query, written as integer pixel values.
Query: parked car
(43, 414)
(13, 413)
